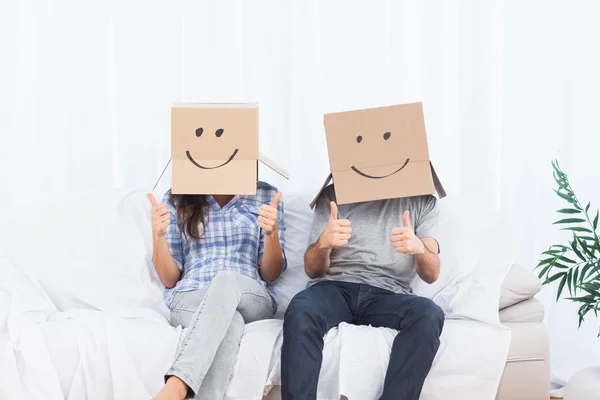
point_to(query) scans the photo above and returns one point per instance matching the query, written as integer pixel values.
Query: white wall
(86, 86)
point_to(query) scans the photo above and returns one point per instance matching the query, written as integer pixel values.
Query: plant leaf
(584, 246)
(551, 252)
(560, 287)
(588, 238)
(584, 270)
(555, 277)
(544, 262)
(565, 197)
(587, 208)
(576, 229)
(575, 276)
(557, 169)
(559, 181)
(570, 221)
(546, 268)
(566, 259)
(569, 279)
(596, 219)
(576, 250)
(568, 211)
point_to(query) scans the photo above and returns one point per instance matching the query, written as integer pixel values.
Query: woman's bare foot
(174, 389)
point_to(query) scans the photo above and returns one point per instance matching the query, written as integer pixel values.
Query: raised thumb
(275, 200)
(152, 199)
(334, 210)
(406, 220)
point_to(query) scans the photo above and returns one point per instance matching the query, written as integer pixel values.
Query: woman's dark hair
(190, 213)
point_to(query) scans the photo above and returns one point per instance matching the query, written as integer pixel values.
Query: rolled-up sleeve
(427, 223)
(173, 235)
(281, 229)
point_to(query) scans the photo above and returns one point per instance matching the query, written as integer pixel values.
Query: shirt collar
(212, 203)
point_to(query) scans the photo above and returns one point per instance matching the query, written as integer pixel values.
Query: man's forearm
(428, 264)
(272, 261)
(316, 260)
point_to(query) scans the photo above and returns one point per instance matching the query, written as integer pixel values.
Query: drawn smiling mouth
(189, 156)
(379, 177)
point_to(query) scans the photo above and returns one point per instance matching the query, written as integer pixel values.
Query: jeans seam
(185, 341)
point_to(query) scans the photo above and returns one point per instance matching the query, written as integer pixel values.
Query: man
(361, 261)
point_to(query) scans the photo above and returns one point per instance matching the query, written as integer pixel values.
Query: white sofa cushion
(520, 284)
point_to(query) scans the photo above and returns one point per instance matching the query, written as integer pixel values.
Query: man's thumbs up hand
(404, 239)
(337, 233)
(267, 216)
(333, 214)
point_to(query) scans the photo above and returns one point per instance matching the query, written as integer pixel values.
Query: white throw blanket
(87, 354)
(123, 351)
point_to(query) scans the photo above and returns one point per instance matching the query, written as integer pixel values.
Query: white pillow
(474, 295)
(469, 238)
(298, 221)
(520, 284)
(84, 249)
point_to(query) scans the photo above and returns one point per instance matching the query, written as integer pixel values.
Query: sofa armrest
(525, 311)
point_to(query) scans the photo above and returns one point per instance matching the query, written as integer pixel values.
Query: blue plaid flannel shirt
(231, 241)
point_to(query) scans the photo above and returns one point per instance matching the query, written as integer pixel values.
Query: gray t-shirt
(369, 257)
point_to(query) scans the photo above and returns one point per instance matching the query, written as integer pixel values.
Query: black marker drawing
(218, 133)
(379, 177)
(189, 156)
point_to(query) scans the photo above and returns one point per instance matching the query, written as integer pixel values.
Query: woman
(218, 257)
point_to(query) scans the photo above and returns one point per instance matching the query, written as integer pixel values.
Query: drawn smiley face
(218, 133)
(386, 137)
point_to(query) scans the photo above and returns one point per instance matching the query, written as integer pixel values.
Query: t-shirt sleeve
(426, 224)
(321, 215)
(173, 235)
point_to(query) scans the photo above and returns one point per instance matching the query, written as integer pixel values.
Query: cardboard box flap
(273, 165)
(329, 178)
(437, 183)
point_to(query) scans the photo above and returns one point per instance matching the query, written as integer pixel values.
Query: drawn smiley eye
(199, 132)
(386, 136)
(358, 139)
(219, 132)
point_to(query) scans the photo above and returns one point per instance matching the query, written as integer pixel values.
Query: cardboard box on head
(214, 148)
(379, 153)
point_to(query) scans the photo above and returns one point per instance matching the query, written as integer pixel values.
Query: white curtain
(86, 89)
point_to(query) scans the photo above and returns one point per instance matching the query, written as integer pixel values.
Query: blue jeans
(215, 319)
(314, 311)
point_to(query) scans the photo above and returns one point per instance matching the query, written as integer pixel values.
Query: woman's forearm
(272, 260)
(165, 266)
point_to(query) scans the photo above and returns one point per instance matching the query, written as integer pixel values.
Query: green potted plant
(575, 263)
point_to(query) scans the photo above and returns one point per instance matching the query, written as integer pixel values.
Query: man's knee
(429, 314)
(301, 313)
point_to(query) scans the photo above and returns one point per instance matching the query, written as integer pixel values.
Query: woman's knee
(226, 280)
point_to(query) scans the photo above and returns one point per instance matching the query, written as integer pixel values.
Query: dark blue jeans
(314, 311)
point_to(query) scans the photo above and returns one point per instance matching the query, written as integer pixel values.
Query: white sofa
(81, 312)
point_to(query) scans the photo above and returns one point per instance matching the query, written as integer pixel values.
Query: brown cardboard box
(379, 153)
(214, 148)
